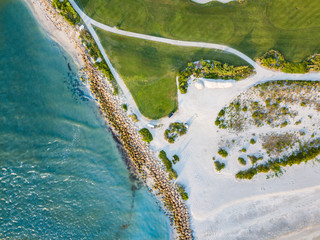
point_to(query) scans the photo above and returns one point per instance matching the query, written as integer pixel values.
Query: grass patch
(149, 69)
(253, 27)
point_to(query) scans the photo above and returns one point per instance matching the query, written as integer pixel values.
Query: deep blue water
(61, 173)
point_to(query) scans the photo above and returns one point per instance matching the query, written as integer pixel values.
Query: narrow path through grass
(149, 69)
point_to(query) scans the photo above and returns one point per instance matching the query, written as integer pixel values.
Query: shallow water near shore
(61, 173)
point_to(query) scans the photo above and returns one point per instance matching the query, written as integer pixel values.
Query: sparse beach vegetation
(168, 164)
(175, 159)
(305, 154)
(182, 192)
(223, 153)
(242, 161)
(280, 107)
(219, 165)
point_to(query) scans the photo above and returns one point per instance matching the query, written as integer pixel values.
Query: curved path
(262, 74)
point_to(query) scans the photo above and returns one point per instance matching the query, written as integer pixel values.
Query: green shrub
(175, 129)
(242, 161)
(212, 69)
(222, 112)
(223, 152)
(182, 192)
(217, 122)
(253, 141)
(219, 165)
(305, 154)
(254, 159)
(167, 163)
(146, 135)
(274, 59)
(175, 159)
(244, 150)
(125, 107)
(67, 11)
(295, 68)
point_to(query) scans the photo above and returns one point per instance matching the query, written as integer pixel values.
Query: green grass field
(149, 69)
(254, 27)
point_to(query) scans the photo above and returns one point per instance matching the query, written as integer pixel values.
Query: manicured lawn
(253, 27)
(149, 69)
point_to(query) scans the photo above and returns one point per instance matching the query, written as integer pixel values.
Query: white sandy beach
(57, 30)
(221, 206)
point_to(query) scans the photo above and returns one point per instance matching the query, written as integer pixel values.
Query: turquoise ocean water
(61, 174)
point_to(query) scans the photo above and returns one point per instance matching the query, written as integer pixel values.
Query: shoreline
(137, 155)
(58, 32)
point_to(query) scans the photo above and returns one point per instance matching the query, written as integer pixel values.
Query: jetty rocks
(150, 168)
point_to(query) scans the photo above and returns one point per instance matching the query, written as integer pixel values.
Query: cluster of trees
(67, 11)
(146, 135)
(214, 70)
(168, 164)
(275, 60)
(304, 155)
(175, 129)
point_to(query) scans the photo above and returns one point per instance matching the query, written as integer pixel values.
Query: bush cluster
(175, 159)
(67, 11)
(213, 70)
(146, 135)
(304, 155)
(182, 192)
(242, 161)
(167, 163)
(275, 60)
(223, 152)
(175, 129)
(219, 165)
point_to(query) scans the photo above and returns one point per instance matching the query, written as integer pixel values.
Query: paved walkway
(262, 74)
